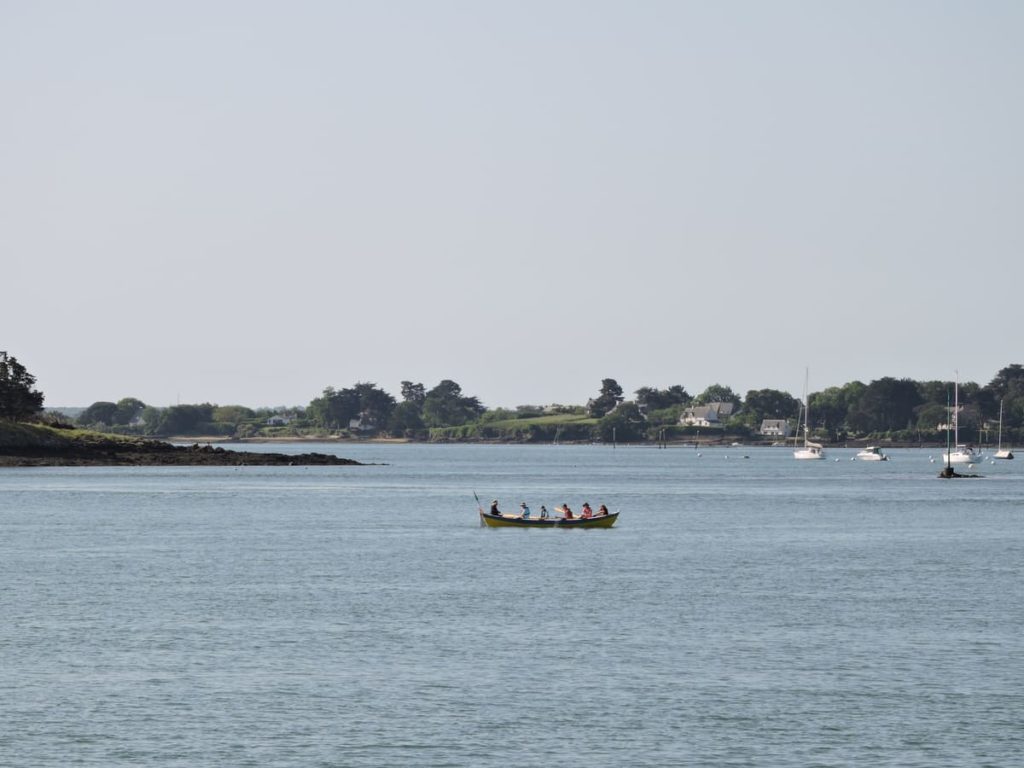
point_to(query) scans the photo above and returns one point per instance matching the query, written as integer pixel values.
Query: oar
(480, 507)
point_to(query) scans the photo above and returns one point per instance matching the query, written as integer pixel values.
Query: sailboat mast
(949, 450)
(807, 407)
(999, 448)
(956, 409)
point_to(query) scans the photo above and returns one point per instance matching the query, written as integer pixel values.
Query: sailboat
(810, 450)
(960, 453)
(1002, 453)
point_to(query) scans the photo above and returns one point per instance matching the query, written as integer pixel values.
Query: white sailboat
(1002, 453)
(959, 453)
(810, 450)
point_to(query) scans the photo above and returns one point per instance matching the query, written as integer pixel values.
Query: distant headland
(38, 445)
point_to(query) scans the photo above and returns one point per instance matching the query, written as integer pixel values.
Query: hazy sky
(245, 202)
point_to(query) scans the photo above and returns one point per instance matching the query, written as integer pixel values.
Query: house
(279, 420)
(710, 415)
(775, 428)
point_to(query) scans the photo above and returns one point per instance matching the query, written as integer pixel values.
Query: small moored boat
(872, 453)
(516, 521)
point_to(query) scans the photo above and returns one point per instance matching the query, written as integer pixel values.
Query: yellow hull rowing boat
(514, 521)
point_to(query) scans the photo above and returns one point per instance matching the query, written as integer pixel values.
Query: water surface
(744, 611)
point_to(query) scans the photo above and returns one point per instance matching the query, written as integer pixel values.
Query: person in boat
(494, 508)
(587, 511)
(602, 511)
(524, 510)
(567, 513)
(543, 512)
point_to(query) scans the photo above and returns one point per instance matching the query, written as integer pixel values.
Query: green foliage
(406, 419)
(625, 424)
(761, 404)
(886, 404)
(718, 393)
(610, 396)
(413, 393)
(830, 407)
(18, 399)
(336, 409)
(665, 416)
(99, 413)
(232, 414)
(446, 406)
(184, 420)
(104, 415)
(651, 399)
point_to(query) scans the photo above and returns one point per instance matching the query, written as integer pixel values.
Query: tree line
(900, 409)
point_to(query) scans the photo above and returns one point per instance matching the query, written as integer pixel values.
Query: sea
(746, 610)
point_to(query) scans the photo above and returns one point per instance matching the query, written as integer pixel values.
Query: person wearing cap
(525, 510)
(587, 511)
(494, 508)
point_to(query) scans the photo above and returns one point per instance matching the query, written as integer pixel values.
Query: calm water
(744, 612)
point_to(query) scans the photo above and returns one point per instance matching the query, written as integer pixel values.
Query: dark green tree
(128, 410)
(406, 418)
(830, 407)
(190, 419)
(718, 393)
(100, 413)
(446, 406)
(18, 399)
(887, 404)
(625, 424)
(413, 393)
(610, 396)
(375, 405)
(334, 409)
(760, 404)
(651, 399)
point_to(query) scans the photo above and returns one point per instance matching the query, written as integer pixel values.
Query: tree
(651, 399)
(232, 414)
(375, 405)
(831, 406)
(760, 404)
(446, 406)
(406, 417)
(1008, 382)
(413, 393)
(99, 413)
(334, 409)
(610, 396)
(181, 420)
(718, 393)
(128, 410)
(887, 404)
(18, 399)
(624, 424)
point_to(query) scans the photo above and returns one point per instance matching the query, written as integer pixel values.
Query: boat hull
(871, 454)
(509, 521)
(808, 454)
(961, 456)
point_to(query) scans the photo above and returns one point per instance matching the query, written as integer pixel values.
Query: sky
(247, 202)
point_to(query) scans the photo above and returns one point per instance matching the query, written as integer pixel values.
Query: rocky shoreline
(149, 453)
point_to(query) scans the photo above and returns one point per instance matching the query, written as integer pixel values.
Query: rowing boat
(515, 521)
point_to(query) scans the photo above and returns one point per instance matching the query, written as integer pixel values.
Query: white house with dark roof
(775, 428)
(710, 415)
